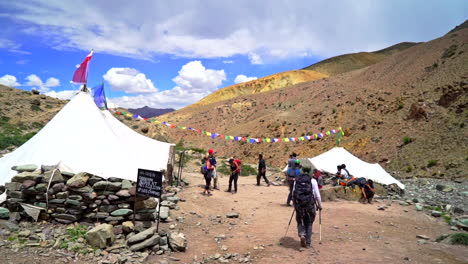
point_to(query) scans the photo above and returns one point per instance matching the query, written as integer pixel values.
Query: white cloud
(34, 80)
(194, 77)
(52, 82)
(129, 80)
(285, 29)
(9, 80)
(192, 84)
(242, 78)
(228, 61)
(64, 95)
(12, 47)
(255, 58)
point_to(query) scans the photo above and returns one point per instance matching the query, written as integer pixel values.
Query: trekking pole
(320, 225)
(289, 222)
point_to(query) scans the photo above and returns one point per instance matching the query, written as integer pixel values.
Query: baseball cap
(210, 151)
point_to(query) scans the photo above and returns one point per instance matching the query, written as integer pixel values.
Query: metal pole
(159, 211)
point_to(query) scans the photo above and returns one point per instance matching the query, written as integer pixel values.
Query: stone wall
(78, 197)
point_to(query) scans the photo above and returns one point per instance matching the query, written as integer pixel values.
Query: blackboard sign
(149, 183)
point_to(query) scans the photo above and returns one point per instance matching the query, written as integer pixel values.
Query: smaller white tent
(329, 160)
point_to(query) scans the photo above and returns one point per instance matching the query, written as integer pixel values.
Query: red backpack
(239, 163)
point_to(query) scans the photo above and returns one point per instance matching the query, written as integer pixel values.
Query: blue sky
(173, 53)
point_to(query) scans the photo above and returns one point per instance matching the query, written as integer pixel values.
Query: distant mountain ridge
(147, 112)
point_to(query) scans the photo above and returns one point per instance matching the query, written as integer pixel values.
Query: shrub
(431, 163)
(198, 150)
(407, 140)
(76, 232)
(409, 168)
(401, 105)
(135, 126)
(456, 238)
(35, 108)
(247, 170)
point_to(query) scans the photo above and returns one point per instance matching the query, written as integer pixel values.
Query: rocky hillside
(407, 112)
(350, 62)
(22, 114)
(268, 83)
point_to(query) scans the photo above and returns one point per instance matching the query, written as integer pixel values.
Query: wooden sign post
(149, 183)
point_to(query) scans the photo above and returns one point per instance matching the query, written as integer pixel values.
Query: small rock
(232, 215)
(422, 237)
(436, 213)
(177, 241)
(4, 213)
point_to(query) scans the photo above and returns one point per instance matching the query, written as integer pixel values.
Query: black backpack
(303, 196)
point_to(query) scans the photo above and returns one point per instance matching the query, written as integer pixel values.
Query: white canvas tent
(336, 156)
(329, 160)
(85, 139)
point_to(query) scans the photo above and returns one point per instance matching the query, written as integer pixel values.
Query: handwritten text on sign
(149, 183)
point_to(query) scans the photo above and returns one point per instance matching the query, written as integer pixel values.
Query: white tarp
(86, 139)
(329, 160)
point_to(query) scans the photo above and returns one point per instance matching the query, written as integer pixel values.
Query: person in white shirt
(306, 199)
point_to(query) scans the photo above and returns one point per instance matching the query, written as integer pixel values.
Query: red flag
(81, 74)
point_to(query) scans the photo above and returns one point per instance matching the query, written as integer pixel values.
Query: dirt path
(351, 232)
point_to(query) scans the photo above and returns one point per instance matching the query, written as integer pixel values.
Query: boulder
(95, 179)
(27, 167)
(53, 176)
(108, 186)
(152, 241)
(13, 186)
(58, 187)
(101, 236)
(4, 213)
(89, 196)
(79, 180)
(123, 193)
(28, 183)
(149, 203)
(41, 187)
(177, 242)
(126, 184)
(23, 176)
(142, 235)
(122, 212)
(85, 189)
(127, 227)
(163, 212)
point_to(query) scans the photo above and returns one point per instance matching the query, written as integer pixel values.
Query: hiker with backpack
(235, 166)
(344, 175)
(292, 171)
(368, 191)
(207, 174)
(262, 170)
(214, 174)
(306, 200)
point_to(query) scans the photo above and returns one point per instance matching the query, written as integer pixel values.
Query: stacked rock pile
(82, 197)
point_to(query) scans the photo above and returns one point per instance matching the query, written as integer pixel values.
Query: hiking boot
(308, 245)
(228, 191)
(303, 241)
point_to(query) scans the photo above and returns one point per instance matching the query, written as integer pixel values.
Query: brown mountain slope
(268, 83)
(350, 62)
(419, 94)
(23, 113)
